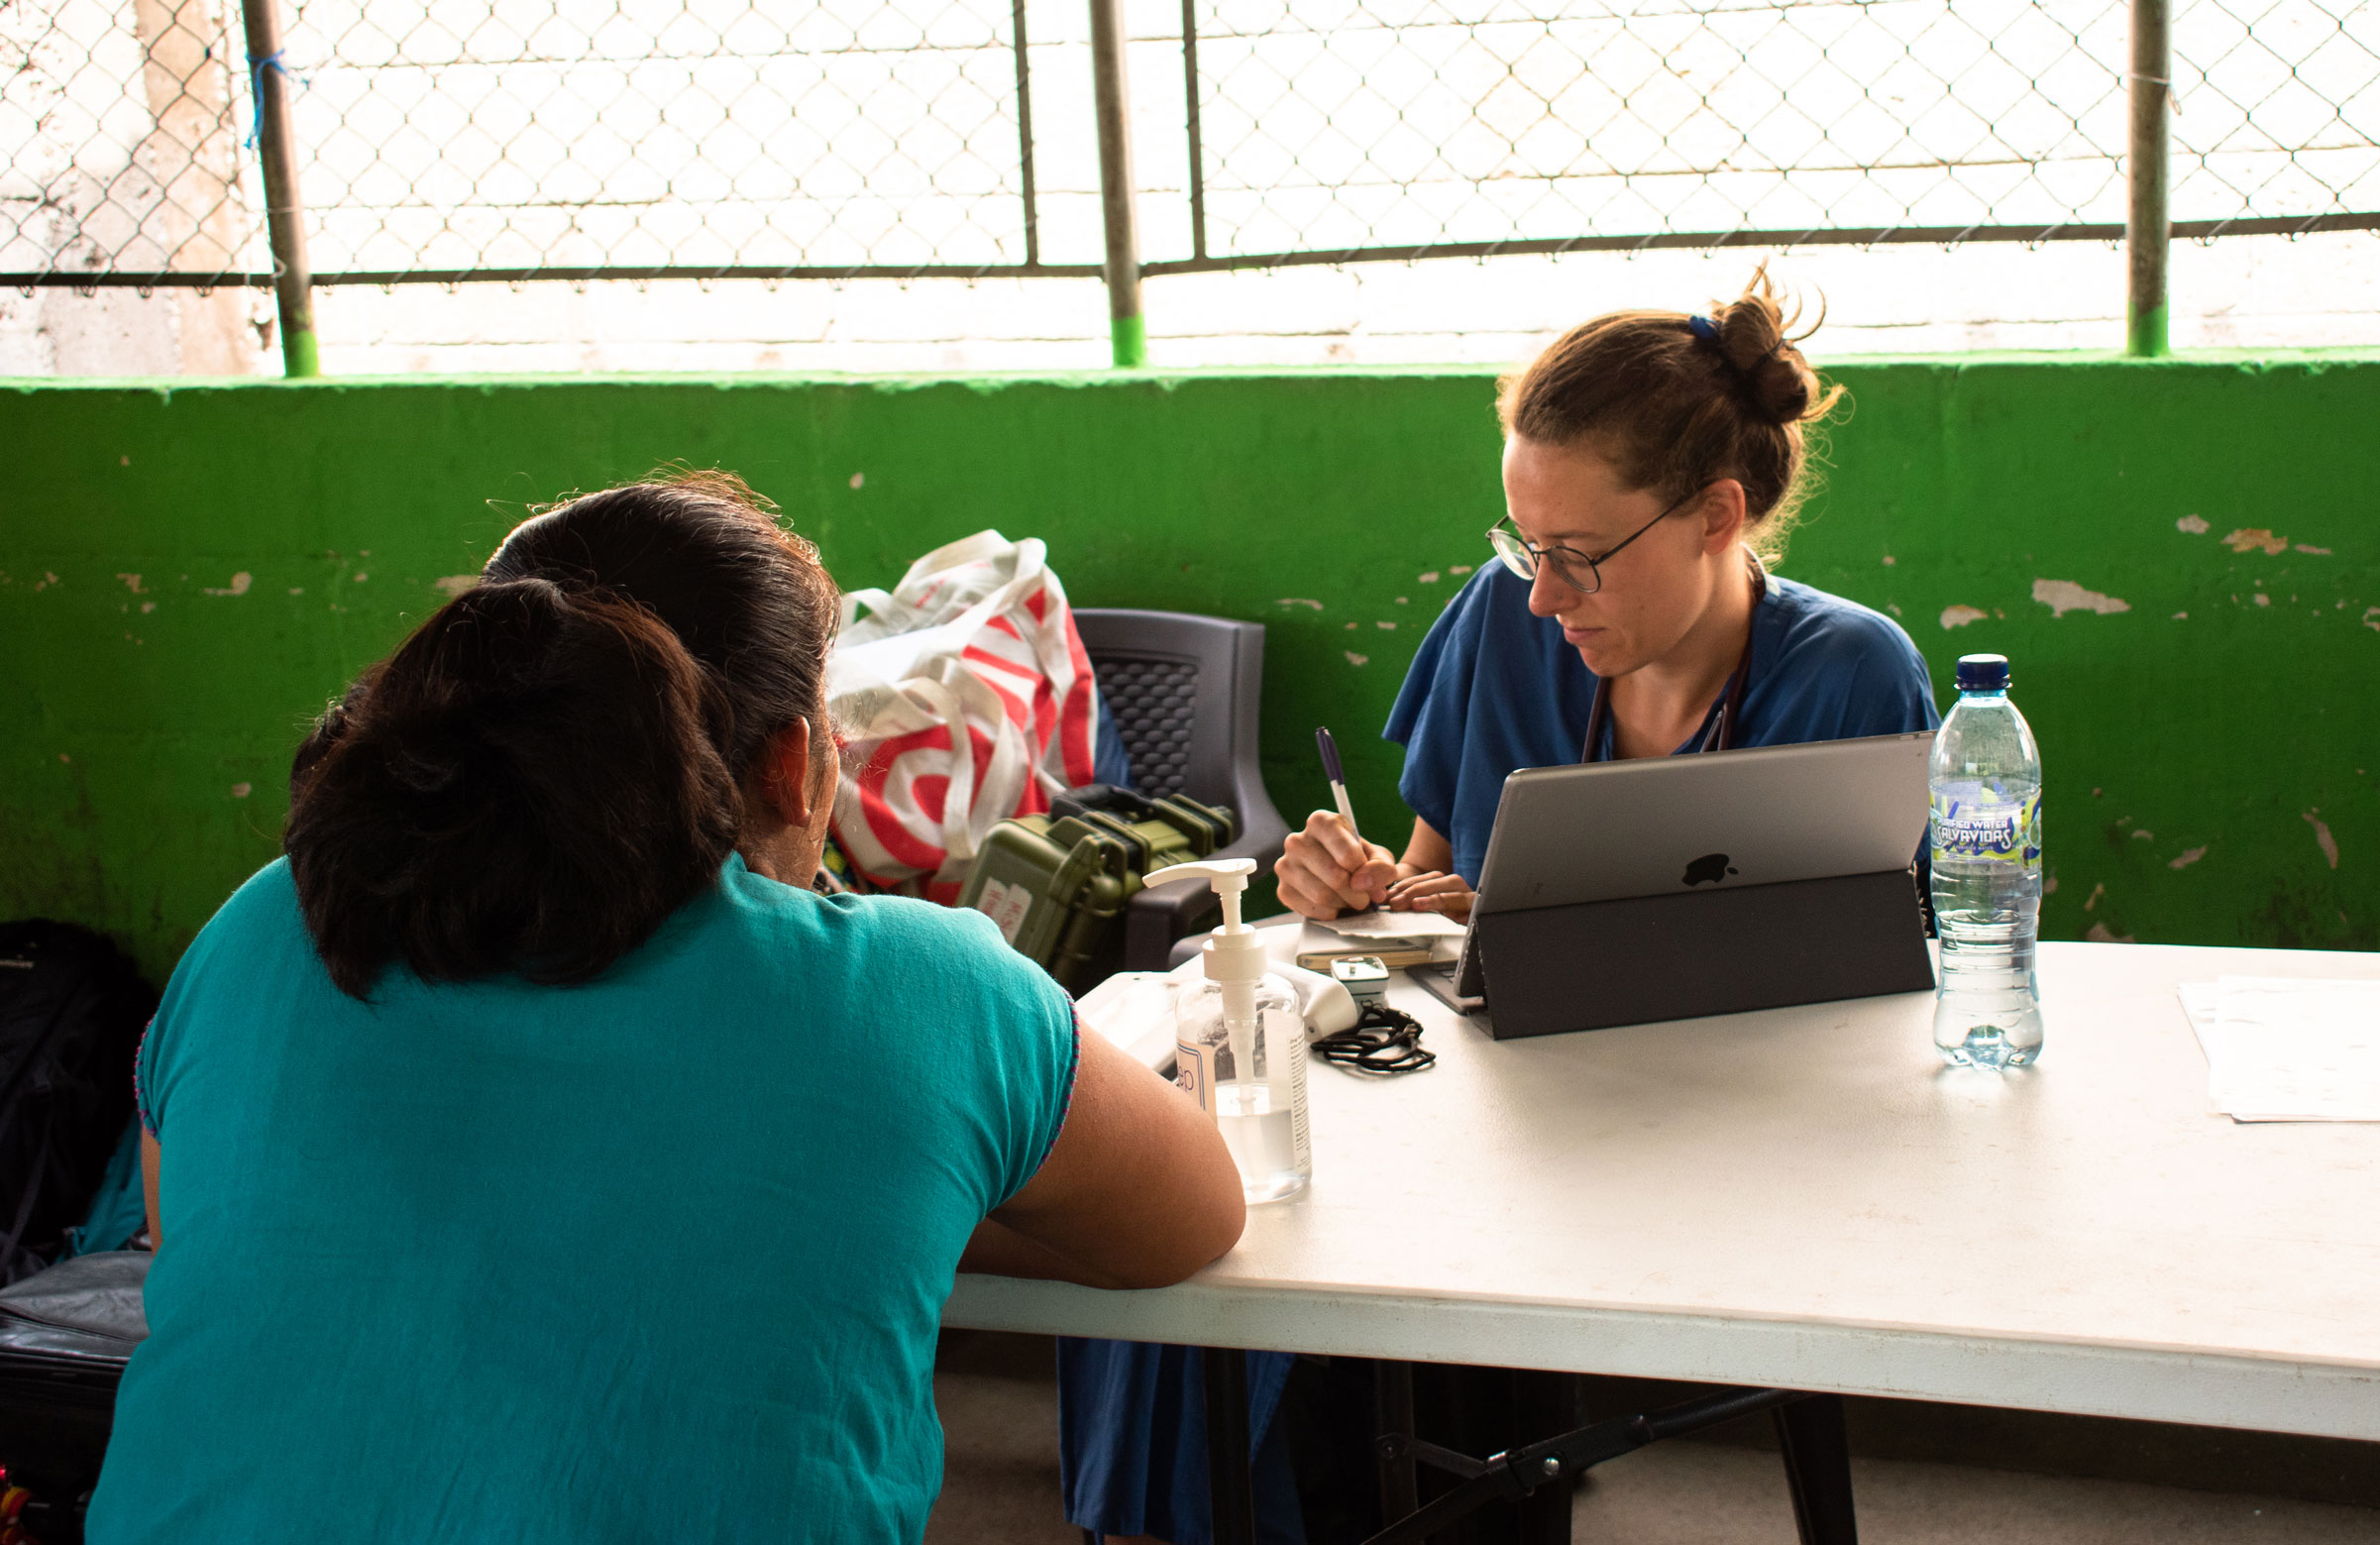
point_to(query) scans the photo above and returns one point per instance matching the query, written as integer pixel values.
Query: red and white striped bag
(963, 698)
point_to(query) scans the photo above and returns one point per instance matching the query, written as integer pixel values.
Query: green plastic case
(1056, 886)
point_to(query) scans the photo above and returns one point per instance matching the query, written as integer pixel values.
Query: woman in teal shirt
(534, 1156)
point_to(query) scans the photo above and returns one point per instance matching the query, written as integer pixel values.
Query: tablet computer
(1668, 825)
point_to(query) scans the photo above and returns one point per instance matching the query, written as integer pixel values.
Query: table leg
(1231, 1484)
(1817, 1461)
(1542, 1403)
(1392, 1416)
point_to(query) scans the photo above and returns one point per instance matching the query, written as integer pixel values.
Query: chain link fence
(125, 134)
(465, 140)
(1351, 129)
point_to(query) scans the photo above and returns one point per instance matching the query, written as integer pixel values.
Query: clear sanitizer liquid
(1247, 1069)
(1240, 1044)
(1986, 841)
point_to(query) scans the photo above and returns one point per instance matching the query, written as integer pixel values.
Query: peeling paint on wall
(2190, 855)
(1298, 600)
(2064, 596)
(238, 587)
(1352, 658)
(2254, 539)
(1960, 616)
(2323, 838)
(447, 585)
(1249, 479)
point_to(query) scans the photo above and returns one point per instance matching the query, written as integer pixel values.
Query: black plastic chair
(1184, 692)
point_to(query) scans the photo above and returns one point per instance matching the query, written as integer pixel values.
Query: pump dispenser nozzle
(1229, 876)
(1232, 950)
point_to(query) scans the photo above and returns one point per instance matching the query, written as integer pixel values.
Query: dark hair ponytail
(551, 765)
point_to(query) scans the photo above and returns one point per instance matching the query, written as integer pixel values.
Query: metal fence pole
(284, 213)
(1025, 137)
(1198, 170)
(1125, 331)
(2148, 226)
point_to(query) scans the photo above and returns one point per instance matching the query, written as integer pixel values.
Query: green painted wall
(188, 572)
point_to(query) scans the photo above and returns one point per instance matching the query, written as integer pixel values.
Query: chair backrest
(1185, 693)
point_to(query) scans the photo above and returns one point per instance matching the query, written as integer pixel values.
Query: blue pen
(1338, 777)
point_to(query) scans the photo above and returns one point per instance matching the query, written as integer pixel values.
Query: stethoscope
(1721, 736)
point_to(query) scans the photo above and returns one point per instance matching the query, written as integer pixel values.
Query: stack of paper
(2280, 1048)
(1396, 939)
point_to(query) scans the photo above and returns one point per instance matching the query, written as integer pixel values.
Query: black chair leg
(1817, 1462)
(1231, 1479)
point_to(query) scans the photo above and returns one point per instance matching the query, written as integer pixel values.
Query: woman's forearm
(1428, 852)
(1000, 1250)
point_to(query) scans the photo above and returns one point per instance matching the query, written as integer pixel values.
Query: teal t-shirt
(659, 1257)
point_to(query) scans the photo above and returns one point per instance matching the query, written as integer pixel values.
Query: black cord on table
(1383, 1040)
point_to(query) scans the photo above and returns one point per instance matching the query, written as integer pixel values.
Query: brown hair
(551, 764)
(1675, 405)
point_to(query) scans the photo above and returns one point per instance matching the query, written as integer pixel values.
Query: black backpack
(71, 1012)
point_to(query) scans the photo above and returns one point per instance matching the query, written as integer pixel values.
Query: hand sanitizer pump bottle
(1240, 1045)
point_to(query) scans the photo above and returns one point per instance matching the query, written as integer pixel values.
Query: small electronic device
(1686, 885)
(1366, 977)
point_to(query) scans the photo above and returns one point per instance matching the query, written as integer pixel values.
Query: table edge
(2323, 1398)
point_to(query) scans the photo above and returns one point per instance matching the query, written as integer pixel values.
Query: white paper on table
(1445, 945)
(2284, 1048)
(1394, 925)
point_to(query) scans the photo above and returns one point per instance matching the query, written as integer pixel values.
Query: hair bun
(1776, 381)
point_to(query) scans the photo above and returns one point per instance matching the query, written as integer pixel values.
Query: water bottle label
(1971, 828)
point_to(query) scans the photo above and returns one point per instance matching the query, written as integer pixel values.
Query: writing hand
(1326, 869)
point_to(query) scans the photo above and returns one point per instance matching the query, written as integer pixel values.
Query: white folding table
(1804, 1198)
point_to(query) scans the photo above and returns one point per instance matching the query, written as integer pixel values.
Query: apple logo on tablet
(1709, 869)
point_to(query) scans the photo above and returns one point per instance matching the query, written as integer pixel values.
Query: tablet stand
(1600, 963)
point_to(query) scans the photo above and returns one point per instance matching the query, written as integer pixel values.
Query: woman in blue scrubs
(1650, 459)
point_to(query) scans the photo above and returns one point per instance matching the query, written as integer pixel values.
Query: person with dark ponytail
(534, 1156)
(1652, 465)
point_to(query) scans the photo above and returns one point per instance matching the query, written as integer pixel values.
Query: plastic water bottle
(1987, 873)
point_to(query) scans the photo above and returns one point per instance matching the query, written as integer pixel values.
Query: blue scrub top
(1495, 689)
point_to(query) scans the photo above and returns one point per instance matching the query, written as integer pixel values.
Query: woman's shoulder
(264, 911)
(1842, 669)
(1485, 627)
(1812, 618)
(882, 937)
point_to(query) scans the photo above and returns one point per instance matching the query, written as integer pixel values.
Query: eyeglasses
(1572, 567)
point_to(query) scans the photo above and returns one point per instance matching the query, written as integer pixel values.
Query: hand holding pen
(1328, 868)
